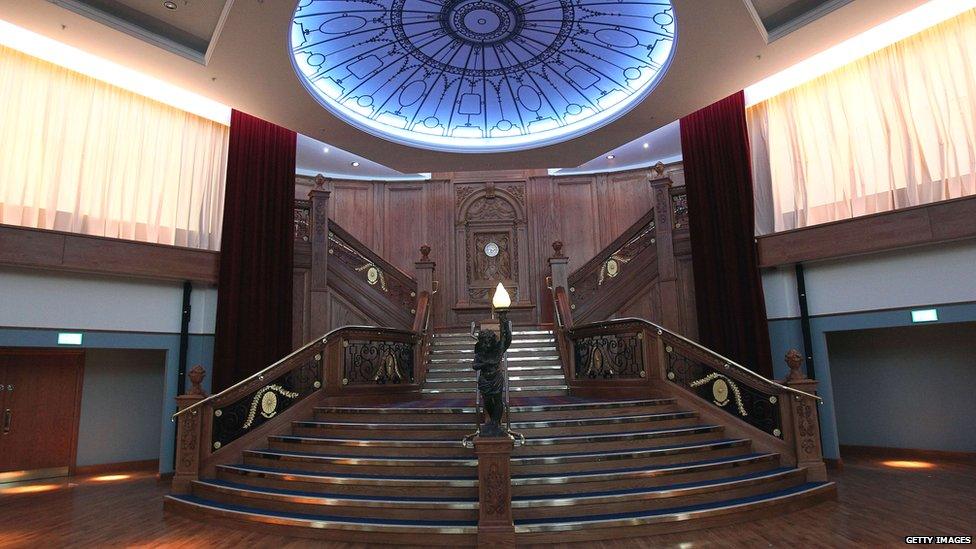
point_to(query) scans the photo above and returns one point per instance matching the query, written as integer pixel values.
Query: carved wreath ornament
(267, 399)
(720, 390)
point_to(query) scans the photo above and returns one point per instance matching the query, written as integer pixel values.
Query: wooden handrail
(372, 256)
(718, 360)
(601, 257)
(271, 371)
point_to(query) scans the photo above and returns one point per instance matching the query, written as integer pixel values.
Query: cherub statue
(488, 352)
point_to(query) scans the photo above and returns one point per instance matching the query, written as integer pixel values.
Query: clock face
(491, 249)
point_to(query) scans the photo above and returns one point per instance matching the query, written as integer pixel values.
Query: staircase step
(512, 379)
(594, 442)
(445, 370)
(389, 530)
(657, 497)
(469, 341)
(415, 448)
(615, 525)
(582, 458)
(457, 486)
(409, 507)
(520, 412)
(520, 351)
(544, 390)
(546, 359)
(515, 334)
(617, 475)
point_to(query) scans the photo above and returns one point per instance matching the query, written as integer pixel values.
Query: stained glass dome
(481, 75)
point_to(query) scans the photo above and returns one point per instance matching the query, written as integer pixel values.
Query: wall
(112, 313)
(905, 387)
(864, 292)
(121, 401)
(585, 212)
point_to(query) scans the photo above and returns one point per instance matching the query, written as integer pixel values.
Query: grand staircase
(589, 469)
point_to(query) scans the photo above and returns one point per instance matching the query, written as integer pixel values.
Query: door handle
(8, 415)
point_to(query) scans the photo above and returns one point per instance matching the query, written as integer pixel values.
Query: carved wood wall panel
(585, 212)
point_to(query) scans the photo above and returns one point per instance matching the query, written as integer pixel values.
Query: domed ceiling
(481, 75)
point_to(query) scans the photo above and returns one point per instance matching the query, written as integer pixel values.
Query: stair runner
(590, 469)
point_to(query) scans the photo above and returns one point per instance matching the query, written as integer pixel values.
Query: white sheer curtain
(894, 129)
(80, 155)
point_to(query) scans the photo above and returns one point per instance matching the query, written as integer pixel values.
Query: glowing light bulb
(501, 299)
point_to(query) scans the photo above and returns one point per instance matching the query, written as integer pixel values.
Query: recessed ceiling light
(325, 149)
(610, 157)
(354, 164)
(646, 145)
(170, 5)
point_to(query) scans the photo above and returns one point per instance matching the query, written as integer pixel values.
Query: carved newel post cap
(794, 360)
(557, 248)
(196, 375)
(659, 168)
(425, 253)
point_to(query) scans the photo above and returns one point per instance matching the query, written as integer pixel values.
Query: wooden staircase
(590, 469)
(533, 365)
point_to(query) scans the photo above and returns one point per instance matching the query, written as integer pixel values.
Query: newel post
(559, 266)
(319, 275)
(666, 264)
(424, 271)
(188, 433)
(495, 525)
(806, 420)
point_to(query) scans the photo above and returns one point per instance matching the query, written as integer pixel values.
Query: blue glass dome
(481, 75)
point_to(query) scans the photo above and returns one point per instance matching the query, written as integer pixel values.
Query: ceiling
(481, 75)
(721, 48)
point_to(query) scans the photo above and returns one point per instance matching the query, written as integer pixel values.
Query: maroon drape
(254, 293)
(728, 287)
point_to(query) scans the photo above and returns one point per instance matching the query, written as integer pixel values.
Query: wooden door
(39, 408)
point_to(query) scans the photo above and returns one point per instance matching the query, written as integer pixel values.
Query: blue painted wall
(786, 334)
(200, 351)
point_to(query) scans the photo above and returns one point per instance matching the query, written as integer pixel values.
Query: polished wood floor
(878, 506)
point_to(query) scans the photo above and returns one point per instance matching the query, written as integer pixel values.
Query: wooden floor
(878, 506)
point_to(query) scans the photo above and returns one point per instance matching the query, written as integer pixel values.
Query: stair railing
(345, 362)
(636, 354)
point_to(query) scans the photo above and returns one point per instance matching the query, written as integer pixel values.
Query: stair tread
(370, 457)
(629, 451)
(648, 468)
(320, 519)
(335, 496)
(582, 405)
(771, 473)
(573, 422)
(291, 473)
(529, 440)
(682, 511)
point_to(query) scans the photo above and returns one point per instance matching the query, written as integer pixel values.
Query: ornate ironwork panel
(614, 356)
(303, 210)
(585, 284)
(756, 407)
(234, 420)
(376, 276)
(377, 362)
(679, 205)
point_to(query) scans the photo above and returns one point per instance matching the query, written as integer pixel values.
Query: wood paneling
(93, 254)
(586, 212)
(928, 224)
(578, 217)
(405, 210)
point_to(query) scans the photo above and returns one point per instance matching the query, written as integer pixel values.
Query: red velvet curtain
(254, 294)
(728, 287)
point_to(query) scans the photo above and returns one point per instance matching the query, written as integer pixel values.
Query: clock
(491, 249)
